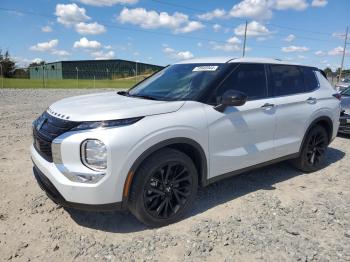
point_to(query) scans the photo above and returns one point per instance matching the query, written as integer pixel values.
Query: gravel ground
(275, 213)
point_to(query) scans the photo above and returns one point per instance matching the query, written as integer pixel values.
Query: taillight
(337, 96)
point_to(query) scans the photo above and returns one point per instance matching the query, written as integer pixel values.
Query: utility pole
(245, 37)
(344, 51)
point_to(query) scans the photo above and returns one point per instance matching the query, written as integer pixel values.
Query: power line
(239, 18)
(148, 31)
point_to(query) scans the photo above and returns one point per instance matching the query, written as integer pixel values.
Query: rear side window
(311, 82)
(286, 80)
(247, 78)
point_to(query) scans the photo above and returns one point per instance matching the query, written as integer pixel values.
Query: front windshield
(179, 82)
(346, 92)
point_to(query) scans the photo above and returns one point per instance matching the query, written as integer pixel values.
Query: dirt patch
(274, 213)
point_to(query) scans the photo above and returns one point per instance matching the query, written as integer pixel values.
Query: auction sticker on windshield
(204, 68)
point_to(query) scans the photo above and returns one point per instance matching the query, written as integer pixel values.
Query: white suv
(192, 123)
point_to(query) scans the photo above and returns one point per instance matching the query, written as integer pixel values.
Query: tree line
(9, 68)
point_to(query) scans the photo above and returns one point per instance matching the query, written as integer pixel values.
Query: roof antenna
(245, 37)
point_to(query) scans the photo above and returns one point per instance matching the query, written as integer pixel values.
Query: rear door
(293, 88)
(242, 136)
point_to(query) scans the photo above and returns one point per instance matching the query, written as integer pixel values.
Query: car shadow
(207, 198)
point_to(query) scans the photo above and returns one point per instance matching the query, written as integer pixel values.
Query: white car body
(231, 141)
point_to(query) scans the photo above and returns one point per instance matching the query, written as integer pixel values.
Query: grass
(67, 83)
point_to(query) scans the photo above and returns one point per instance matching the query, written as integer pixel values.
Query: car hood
(109, 106)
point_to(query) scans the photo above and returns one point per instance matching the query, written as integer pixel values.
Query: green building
(91, 69)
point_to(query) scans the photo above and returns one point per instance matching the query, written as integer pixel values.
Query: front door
(242, 136)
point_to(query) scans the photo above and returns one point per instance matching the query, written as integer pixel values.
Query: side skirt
(249, 168)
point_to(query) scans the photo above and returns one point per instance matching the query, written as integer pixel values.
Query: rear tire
(314, 149)
(163, 188)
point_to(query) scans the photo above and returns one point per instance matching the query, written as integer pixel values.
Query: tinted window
(311, 82)
(286, 80)
(247, 78)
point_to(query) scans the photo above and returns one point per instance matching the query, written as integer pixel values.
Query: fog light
(94, 154)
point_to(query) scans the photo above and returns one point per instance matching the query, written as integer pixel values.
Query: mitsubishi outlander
(148, 149)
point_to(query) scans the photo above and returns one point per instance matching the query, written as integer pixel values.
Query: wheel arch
(186, 145)
(324, 121)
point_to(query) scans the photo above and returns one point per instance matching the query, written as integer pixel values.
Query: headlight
(108, 123)
(94, 154)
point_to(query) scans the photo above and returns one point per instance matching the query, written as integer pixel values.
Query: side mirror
(231, 98)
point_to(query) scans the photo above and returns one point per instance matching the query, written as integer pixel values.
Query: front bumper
(344, 127)
(51, 191)
(100, 194)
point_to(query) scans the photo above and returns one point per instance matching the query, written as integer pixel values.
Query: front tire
(164, 188)
(313, 151)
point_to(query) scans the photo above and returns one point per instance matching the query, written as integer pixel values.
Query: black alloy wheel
(167, 190)
(314, 150)
(163, 188)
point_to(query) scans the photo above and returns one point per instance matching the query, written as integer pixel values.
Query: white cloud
(232, 45)
(216, 27)
(298, 5)
(45, 46)
(217, 13)
(86, 44)
(319, 3)
(290, 38)
(60, 53)
(340, 35)
(256, 9)
(199, 44)
(320, 53)
(90, 28)
(225, 47)
(301, 57)
(70, 14)
(234, 40)
(293, 48)
(177, 55)
(108, 47)
(253, 29)
(49, 47)
(46, 29)
(190, 27)
(178, 22)
(100, 55)
(338, 51)
(108, 2)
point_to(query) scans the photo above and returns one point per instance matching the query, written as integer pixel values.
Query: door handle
(311, 100)
(267, 106)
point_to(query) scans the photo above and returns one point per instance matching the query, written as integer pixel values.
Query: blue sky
(164, 31)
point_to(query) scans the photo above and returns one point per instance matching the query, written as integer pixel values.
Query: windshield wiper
(144, 96)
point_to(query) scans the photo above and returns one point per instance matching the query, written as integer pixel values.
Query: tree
(328, 71)
(7, 64)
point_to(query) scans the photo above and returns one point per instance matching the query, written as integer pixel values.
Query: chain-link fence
(80, 74)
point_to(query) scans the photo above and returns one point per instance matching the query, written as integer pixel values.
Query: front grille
(45, 129)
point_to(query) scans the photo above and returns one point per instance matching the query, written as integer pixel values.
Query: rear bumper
(344, 127)
(51, 191)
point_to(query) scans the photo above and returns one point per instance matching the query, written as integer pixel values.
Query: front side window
(179, 82)
(247, 78)
(286, 80)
